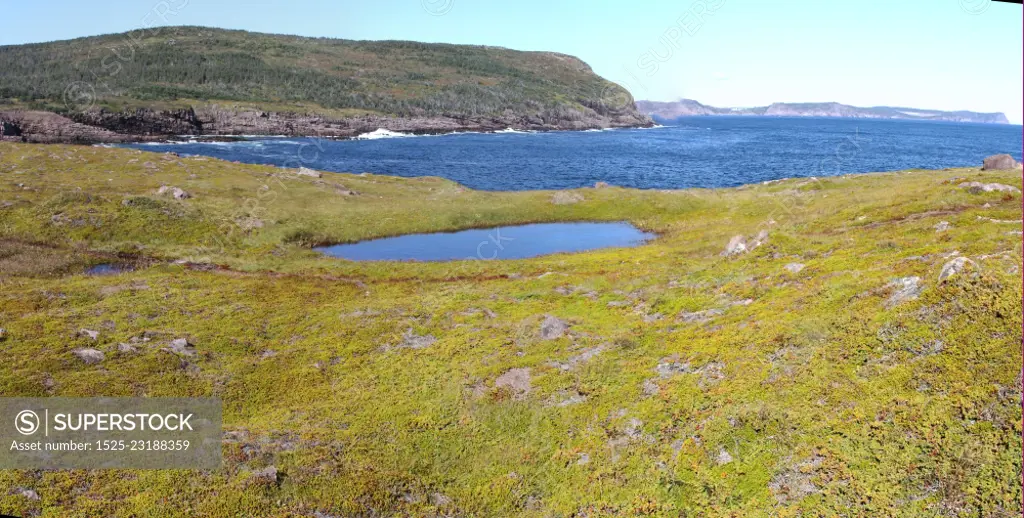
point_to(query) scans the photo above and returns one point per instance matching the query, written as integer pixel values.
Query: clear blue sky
(941, 54)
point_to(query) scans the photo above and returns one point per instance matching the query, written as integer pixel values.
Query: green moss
(828, 400)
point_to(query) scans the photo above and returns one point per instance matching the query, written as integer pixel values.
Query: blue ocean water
(691, 152)
(509, 242)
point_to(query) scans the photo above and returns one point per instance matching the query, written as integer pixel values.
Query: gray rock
(737, 245)
(267, 475)
(978, 187)
(996, 162)
(89, 356)
(89, 333)
(566, 198)
(177, 193)
(943, 226)
(126, 348)
(181, 347)
(516, 380)
(553, 328)
(305, 171)
(29, 494)
(955, 267)
(906, 288)
(795, 267)
(723, 457)
(700, 316)
(411, 340)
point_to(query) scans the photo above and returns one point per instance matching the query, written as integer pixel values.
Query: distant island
(686, 107)
(203, 81)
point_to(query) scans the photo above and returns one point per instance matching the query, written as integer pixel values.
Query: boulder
(89, 356)
(305, 171)
(177, 193)
(553, 328)
(955, 267)
(978, 187)
(997, 162)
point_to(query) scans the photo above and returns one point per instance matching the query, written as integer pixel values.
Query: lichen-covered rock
(905, 289)
(978, 187)
(175, 192)
(89, 356)
(553, 328)
(516, 381)
(181, 347)
(955, 267)
(795, 267)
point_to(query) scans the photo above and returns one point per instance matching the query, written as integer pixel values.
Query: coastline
(144, 125)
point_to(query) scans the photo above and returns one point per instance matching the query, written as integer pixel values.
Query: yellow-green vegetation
(688, 383)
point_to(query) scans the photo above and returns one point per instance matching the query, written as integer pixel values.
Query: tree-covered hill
(181, 67)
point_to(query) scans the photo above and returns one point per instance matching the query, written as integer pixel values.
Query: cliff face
(102, 126)
(689, 107)
(196, 80)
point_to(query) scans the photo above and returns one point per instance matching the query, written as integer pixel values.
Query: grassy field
(688, 383)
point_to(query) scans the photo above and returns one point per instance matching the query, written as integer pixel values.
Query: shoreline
(139, 126)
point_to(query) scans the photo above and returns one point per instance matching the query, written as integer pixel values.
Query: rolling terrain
(848, 346)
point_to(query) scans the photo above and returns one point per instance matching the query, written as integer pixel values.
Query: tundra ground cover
(827, 371)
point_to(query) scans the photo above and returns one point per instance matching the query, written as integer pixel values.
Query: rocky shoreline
(107, 127)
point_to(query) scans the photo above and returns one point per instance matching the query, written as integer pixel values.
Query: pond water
(509, 242)
(107, 269)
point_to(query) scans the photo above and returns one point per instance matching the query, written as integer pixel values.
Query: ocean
(689, 152)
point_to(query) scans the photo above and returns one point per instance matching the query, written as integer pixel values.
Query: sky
(934, 54)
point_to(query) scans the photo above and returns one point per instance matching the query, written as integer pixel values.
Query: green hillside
(179, 66)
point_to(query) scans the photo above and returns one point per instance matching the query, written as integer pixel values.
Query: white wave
(511, 130)
(380, 133)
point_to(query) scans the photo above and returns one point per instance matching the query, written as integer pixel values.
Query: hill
(687, 107)
(194, 80)
(833, 370)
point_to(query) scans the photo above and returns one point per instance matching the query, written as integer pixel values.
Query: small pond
(510, 242)
(108, 269)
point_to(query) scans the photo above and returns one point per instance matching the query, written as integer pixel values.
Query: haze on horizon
(949, 55)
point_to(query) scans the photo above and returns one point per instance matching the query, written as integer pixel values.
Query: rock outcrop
(997, 162)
